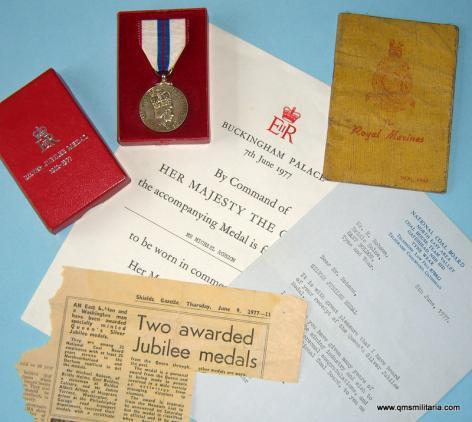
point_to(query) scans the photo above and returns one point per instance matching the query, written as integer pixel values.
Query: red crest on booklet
(136, 76)
(54, 153)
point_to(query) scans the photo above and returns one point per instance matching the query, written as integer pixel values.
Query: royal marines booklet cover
(391, 103)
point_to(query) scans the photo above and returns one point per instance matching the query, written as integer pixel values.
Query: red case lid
(54, 153)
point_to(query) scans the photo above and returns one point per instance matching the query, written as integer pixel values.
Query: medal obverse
(163, 107)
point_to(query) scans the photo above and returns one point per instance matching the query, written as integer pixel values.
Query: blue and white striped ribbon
(163, 41)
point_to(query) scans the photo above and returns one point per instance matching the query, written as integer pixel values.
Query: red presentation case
(54, 153)
(136, 76)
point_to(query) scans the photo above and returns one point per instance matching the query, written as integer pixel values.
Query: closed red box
(136, 76)
(54, 153)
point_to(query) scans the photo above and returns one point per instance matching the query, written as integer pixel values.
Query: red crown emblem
(290, 114)
(395, 48)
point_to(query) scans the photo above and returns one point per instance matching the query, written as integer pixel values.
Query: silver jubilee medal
(163, 108)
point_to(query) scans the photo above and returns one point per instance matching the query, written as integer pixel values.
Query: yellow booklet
(391, 103)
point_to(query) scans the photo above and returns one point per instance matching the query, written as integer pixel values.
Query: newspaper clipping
(127, 347)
